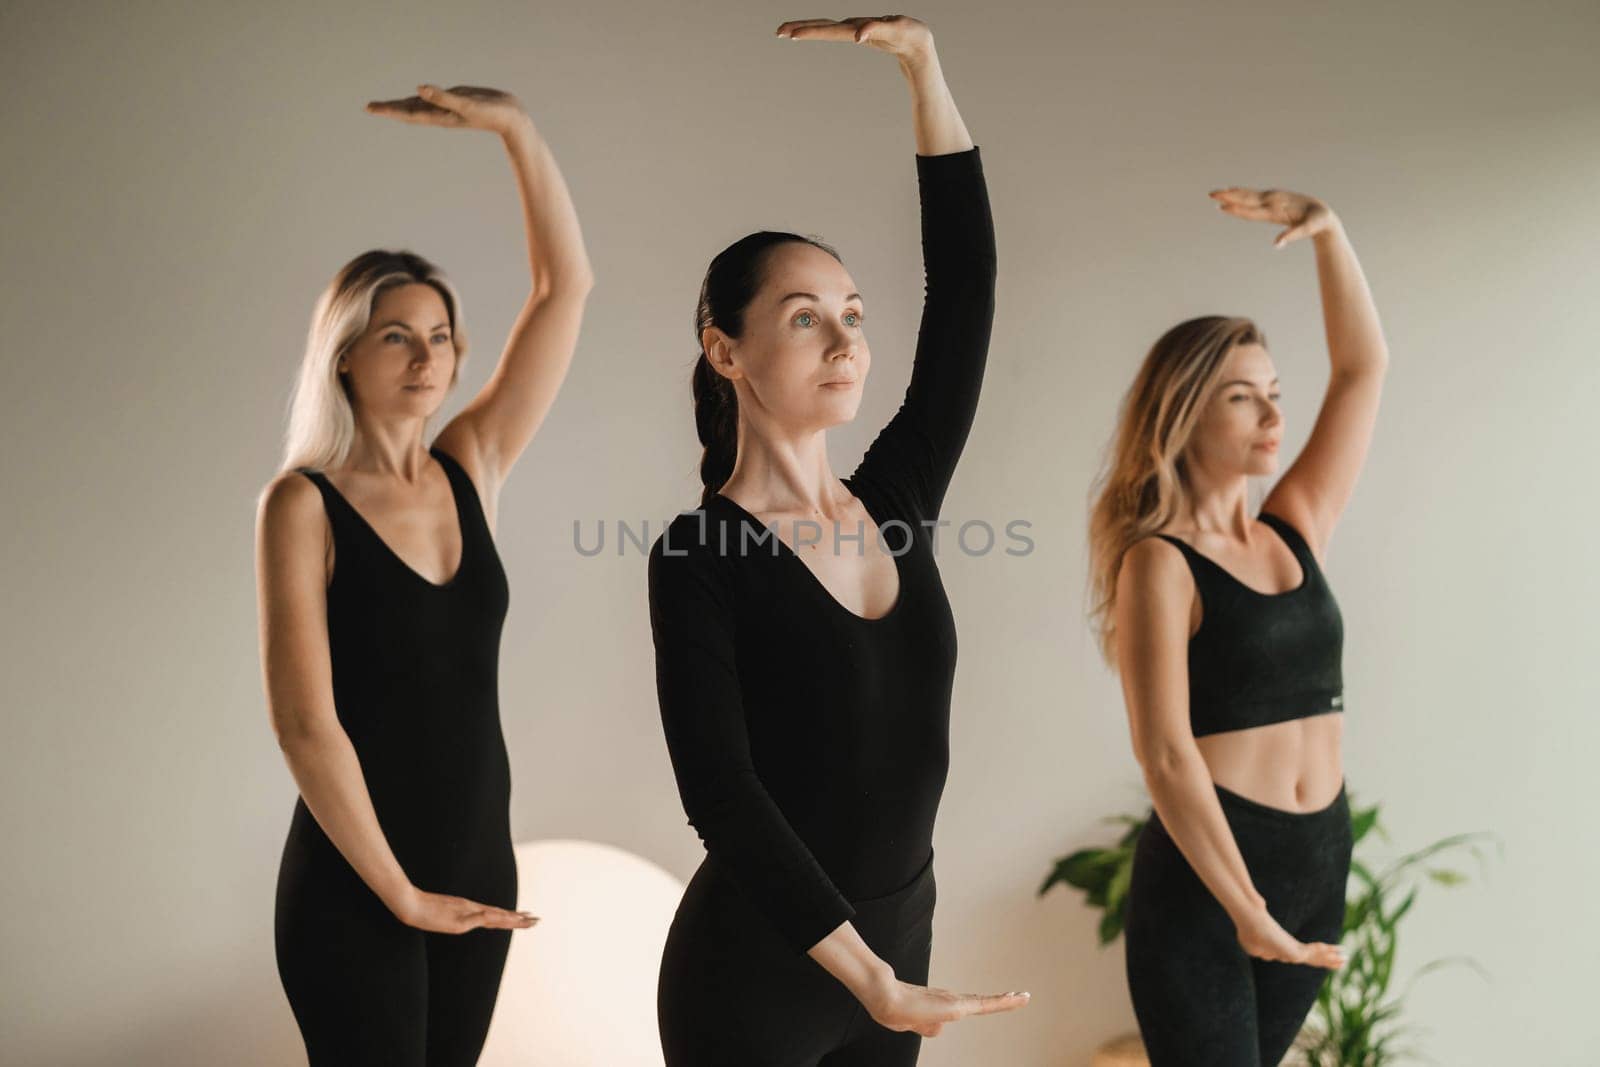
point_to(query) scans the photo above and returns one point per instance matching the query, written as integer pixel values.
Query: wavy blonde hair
(1144, 483)
(321, 415)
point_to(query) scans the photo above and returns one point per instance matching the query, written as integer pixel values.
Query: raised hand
(1305, 216)
(1262, 937)
(899, 35)
(442, 914)
(468, 106)
(903, 1006)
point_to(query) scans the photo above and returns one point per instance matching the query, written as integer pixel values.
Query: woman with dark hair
(381, 604)
(805, 688)
(1229, 642)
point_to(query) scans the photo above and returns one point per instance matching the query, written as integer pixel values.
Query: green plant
(1102, 874)
(1355, 1022)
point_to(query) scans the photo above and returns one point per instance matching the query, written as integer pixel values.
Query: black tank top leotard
(1261, 658)
(415, 669)
(810, 744)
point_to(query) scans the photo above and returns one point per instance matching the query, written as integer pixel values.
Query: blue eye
(441, 337)
(804, 315)
(851, 315)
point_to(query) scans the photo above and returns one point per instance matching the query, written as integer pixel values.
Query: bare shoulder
(1152, 565)
(1155, 591)
(291, 521)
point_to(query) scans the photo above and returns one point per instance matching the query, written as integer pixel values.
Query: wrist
(401, 900)
(1248, 907)
(876, 987)
(1333, 231)
(919, 62)
(520, 131)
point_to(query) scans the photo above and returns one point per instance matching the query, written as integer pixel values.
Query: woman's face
(803, 356)
(1240, 425)
(405, 360)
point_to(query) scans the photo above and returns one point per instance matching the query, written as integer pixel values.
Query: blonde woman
(1229, 641)
(381, 603)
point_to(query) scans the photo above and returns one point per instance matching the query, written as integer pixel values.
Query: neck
(787, 475)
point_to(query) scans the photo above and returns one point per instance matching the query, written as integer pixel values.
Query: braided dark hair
(731, 283)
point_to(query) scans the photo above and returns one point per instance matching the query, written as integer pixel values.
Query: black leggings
(1199, 999)
(732, 992)
(368, 989)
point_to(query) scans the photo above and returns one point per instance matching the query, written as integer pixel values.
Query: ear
(718, 348)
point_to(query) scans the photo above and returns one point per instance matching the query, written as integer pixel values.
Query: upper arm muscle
(1313, 492)
(1155, 595)
(291, 588)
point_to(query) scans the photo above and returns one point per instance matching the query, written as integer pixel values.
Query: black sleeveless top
(1261, 658)
(416, 687)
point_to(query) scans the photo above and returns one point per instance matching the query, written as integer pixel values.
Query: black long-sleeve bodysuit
(810, 744)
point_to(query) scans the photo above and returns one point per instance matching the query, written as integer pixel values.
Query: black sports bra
(1261, 658)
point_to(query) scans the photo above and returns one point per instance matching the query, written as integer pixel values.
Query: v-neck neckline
(900, 576)
(455, 496)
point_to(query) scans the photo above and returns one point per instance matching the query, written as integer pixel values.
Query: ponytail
(716, 421)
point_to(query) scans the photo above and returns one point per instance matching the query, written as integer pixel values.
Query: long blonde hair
(1144, 483)
(321, 418)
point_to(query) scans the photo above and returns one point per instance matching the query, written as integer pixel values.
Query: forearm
(937, 124)
(848, 958)
(1181, 787)
(556, 254)
(326, 769)
(1349, 315)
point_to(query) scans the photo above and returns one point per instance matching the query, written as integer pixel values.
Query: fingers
(451, 99)
(470, 915)
(502, 919)
(431, 106)
(1237, 194)
(1320, 954)
(415, 109)
(988, 1004)
(1244, 203)
(1266, 206)
(823, 29)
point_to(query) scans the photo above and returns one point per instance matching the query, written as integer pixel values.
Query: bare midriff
(1295, 766)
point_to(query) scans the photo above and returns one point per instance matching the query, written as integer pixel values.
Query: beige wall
(181, 183)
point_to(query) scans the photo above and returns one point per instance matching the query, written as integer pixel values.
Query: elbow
(1166, 759)
(298, 733)
(980, 271)
(570, 283)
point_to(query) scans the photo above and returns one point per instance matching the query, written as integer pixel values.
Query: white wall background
(181, 180)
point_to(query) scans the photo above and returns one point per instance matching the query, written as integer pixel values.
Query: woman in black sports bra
(1228, 641)
(382, 599)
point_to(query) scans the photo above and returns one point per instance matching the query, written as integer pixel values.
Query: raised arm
(917, 451)
(1314, 491)
(491, 432)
